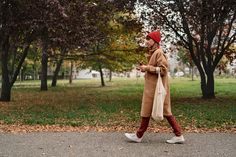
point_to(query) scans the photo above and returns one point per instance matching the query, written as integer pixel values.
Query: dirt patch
(4, 128)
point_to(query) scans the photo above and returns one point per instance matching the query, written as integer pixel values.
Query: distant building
(232, 68)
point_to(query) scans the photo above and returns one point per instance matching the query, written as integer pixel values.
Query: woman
(157, 61)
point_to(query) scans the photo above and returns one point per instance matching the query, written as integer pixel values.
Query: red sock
(175, 126)
(143, 127)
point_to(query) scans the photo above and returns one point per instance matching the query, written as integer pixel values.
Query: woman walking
(157, 62)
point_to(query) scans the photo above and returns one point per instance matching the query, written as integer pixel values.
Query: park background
(70, 65)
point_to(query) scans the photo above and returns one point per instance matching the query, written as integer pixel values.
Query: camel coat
(155, 59)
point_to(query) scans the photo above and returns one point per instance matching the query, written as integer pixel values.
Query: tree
(46, 23)
(206, 29)
(83, 28)
(117, 50)
(15, 40)
(58, 67)
(80, 30)
(228, 58)
(22, 23)
(49, 18)
(185, 58)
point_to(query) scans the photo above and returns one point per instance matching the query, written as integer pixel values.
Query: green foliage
(119, 51)
(184, 57)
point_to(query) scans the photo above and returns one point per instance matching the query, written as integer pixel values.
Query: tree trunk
(6, 86)
(35, 71)
(192, 72)
(203, 84)
(55, 74)
(44, 70)
(13, 60)
(110, 75)
(210, 86)
(206, 71)
(6, 89)
(8, 82)
(19, 68)
(101, 74)
(207, 86)
(22, 74)
(71, 72)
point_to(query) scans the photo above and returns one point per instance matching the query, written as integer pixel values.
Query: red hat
(156, 36)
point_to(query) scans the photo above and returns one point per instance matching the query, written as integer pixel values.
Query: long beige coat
(156, 59)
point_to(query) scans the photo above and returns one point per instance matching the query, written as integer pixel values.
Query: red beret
(156, 36)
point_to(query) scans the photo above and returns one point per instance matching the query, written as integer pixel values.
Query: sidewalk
(93, 144)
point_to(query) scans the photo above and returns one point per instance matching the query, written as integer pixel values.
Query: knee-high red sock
(175, 126)
(143, 126)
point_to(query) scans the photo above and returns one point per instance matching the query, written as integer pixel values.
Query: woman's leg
(175, 126)
(178, 138)
(137, 137)
(143, 126)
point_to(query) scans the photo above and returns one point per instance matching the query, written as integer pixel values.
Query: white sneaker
(176, 139)
(133, 137)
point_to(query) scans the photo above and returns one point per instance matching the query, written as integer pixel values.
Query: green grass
(85, 103)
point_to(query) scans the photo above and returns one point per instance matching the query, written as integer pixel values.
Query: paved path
(94, 144)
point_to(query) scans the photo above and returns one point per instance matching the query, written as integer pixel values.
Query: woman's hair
(147, 37)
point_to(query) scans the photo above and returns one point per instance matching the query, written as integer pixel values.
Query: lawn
(85, 103)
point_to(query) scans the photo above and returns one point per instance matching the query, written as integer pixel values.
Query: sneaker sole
(132, 140)
(181, 142)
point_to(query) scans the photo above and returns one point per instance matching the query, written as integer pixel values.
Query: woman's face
(150, 42)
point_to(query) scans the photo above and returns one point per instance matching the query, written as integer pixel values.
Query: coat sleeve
(161, 64)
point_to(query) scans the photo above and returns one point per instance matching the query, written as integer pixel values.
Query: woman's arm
(154, 70)
(161, 65)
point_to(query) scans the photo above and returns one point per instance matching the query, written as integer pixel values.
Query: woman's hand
(142, 68)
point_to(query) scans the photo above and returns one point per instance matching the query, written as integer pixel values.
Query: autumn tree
(118, 51)
(46, 23)
(205, 27)
(81, 29)
(49, 18)
(22, 23)
(185, 57)
(85, 26)
(15, 39)
(227, 59)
